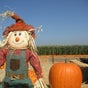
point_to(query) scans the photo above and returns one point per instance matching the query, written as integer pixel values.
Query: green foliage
(63, 50)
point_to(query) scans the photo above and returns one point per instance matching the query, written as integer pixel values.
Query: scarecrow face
(18, 40)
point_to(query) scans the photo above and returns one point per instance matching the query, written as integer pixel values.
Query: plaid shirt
(29, 56)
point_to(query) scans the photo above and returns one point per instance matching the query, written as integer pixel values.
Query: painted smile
(18, 42)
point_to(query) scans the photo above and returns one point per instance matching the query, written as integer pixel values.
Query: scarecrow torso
(16, 64)
(28, 56)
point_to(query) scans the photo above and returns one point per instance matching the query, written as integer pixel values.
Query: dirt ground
(48, 61)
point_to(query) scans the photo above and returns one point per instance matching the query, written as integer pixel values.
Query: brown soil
(64, 56)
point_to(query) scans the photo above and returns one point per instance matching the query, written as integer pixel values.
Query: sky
(64, 22)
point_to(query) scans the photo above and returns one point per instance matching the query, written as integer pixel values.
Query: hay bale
(84, 69)
(79, 63)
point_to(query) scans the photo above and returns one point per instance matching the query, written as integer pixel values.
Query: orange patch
(3, 66)
(32, 76)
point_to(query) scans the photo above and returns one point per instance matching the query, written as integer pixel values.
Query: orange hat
(20, 25)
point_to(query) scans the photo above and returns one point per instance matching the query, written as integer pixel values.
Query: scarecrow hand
(7, 13)
(40, 84)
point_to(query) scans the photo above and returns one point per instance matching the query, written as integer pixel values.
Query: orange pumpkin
(65, 75)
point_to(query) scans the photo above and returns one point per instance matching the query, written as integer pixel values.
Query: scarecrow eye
(15, 34)
(19, 34)
(29, 33)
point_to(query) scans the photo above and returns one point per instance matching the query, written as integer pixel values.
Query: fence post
(53, 57)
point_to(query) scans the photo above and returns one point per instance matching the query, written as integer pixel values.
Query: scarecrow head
(19, 35)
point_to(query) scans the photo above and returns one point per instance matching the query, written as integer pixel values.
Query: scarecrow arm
(34, 61)
(3, 53)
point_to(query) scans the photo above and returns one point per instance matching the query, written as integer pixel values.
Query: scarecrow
(18, 51)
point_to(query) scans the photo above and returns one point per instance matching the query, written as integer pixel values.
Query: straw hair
(30, 39)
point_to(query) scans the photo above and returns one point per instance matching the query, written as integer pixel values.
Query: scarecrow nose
(17, 39)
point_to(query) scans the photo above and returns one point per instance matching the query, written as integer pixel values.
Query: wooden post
(53, 57)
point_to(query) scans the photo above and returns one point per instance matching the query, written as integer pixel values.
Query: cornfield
(63, 50)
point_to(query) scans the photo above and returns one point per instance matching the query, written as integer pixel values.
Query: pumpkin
(65, 75)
